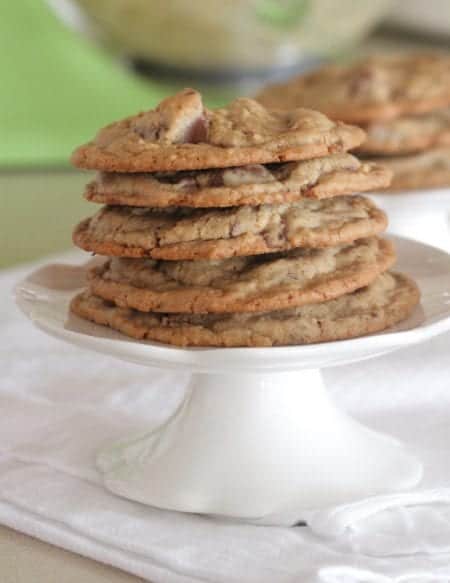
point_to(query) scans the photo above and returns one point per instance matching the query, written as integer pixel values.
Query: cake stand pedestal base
(263, 448)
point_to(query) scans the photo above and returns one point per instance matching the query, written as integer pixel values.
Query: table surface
(26, 560)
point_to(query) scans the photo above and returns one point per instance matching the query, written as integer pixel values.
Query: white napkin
(59, 405)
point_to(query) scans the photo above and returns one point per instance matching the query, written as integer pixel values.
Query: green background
(57, 89)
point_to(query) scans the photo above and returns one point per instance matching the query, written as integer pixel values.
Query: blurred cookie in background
(401, 101)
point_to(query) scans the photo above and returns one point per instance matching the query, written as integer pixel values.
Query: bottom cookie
(388, 300)
(428, 169)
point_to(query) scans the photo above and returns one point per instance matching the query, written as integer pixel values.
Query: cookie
(247, 185)
(183, 233)
(242, 284)
(379, 87)
(408, 134)
(429, 169)
(181, 134)
(389, 299)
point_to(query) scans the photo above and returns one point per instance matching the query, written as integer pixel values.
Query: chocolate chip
(216, 178)
(197, 131)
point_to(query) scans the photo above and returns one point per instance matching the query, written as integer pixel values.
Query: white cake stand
(257, 437)
(422, 214)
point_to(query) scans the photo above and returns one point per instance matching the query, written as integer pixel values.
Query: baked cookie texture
(178, 233)
(242, 284)
(380, 87)
(402, 102)
(241, 226)
(408, 134)
(256, 184)
(427, 169)
(389, 299)
(182, 134)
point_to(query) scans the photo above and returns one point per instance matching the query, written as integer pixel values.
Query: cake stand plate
(257, 437)
(423, 214)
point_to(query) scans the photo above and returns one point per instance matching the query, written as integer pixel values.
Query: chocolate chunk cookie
(242, 284)
(428, 169)
(408, 134)
(376, 88)
(389, 299)
(183, 233)
(181, 134)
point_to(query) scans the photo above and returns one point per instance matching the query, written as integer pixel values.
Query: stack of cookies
(402, 102)
(236, 227)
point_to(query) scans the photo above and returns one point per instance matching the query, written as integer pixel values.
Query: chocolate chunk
(210, 178)
(198, 131)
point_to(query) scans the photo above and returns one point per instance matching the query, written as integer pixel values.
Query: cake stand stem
(257, 447)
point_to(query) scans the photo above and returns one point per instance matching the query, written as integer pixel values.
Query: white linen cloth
(60, 404)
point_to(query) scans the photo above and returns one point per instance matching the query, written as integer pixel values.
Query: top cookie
(181, 134)
(376, 88)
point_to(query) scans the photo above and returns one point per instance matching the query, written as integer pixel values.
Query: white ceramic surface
(263, 448)
(44, 297)
(257, 437)
(423, 215)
